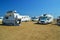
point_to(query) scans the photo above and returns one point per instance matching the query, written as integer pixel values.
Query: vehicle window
(6, 17)
(49, 18)
(43, 18)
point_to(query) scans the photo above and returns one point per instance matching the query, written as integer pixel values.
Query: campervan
(11, 18)
(45, 19)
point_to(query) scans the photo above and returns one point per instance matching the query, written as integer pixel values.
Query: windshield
(43, 18)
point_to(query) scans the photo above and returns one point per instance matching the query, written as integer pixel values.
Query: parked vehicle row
(13, 18)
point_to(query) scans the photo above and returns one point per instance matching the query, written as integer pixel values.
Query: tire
(3, 23)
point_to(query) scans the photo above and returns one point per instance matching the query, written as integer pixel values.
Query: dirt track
(30, 31)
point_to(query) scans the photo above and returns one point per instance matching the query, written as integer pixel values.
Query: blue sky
(31, 7)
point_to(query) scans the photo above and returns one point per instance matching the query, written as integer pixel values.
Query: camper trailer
(25, 18)
(45, 19)
(58, 20)
(11, 18)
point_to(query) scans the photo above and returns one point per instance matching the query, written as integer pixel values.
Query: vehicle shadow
(1, 23)
(47, 24)
(7, 25)
(40, 24)
(56, 24)
(4, 25)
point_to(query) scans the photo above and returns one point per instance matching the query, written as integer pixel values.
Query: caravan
(25, 18)
(11, 18)
(14, 18)
(45, 18)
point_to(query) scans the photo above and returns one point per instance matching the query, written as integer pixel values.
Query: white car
(34, 18)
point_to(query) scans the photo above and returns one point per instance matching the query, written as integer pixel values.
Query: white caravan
(11, 18)
(45, 18)
(25, 18)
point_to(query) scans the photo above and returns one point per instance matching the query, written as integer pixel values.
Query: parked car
(34, 18)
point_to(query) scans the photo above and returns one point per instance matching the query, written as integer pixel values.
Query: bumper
(42, 22)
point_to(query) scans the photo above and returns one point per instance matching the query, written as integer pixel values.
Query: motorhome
(58, 20)
(11, 18)
(45, 19)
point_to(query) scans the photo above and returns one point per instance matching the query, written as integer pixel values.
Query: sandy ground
(30, 31)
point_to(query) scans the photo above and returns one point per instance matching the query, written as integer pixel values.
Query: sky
(31, 7)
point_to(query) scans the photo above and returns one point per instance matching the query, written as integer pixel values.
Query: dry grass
(30, 31)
